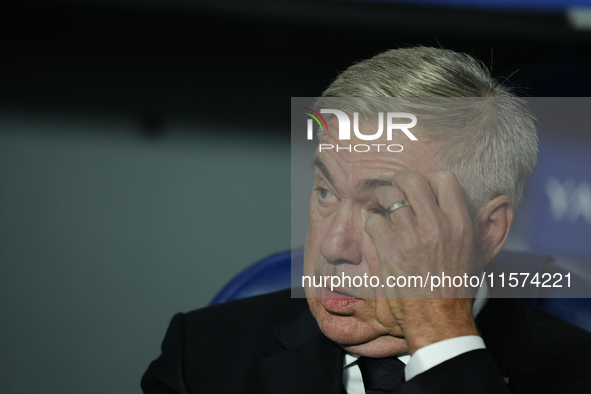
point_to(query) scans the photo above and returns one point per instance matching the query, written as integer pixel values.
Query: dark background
(167, 59)
(144, 154)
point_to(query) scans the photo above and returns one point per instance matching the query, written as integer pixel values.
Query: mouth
(338, 300)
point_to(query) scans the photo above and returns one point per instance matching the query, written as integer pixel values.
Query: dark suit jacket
(272, 344)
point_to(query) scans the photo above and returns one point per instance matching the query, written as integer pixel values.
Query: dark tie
(381, 375)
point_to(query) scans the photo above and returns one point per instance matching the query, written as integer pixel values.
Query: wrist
(434, 334)
(444, 322)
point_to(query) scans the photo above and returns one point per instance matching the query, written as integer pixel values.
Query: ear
(492, 225)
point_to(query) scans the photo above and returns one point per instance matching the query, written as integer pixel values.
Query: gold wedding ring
(396, 205)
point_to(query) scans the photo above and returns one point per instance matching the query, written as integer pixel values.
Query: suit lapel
(311, 363)
(503, 326)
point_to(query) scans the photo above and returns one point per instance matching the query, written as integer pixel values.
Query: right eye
(324, 194)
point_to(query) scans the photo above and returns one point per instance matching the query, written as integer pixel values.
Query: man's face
(357, 318)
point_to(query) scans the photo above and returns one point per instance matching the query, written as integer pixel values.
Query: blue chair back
(266, 276)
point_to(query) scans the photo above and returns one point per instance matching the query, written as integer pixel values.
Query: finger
(402, 218)
(419, 194)
(449, 193)
(383, 237)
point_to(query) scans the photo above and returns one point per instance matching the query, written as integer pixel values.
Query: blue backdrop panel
(561, 215)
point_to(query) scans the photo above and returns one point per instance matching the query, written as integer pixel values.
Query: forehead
(352, 167)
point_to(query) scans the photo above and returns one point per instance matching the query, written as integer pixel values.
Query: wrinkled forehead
(382, 156)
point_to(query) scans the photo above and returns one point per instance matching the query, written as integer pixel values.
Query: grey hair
(488, 141)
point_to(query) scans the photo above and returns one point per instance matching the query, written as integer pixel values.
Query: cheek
(383, 312)
(314, 222)
(316, 218)
(317, 229)
(384, 315)
(311, 250)
(312, 255)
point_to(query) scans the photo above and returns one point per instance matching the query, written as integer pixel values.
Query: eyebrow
(318, 163)
(363, 185)
(368, 185)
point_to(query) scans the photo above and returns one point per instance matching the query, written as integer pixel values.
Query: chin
(380, 347)
(356, 334)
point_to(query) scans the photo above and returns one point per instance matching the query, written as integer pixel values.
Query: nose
(343, 242)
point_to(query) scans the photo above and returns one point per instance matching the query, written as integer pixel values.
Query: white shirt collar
(352, 375)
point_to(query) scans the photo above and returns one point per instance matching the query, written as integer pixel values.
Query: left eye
(379, 211)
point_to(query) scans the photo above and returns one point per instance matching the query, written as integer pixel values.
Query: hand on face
(431, 236)
(351, 234)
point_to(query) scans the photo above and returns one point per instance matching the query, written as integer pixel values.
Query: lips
(338, 300)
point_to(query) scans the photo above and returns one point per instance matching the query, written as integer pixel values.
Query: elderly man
(443, 203)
